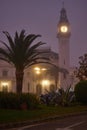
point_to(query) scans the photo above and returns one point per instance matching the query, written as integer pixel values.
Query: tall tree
(81, 71)
(21, 53)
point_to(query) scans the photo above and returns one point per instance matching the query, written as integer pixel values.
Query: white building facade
(37, 79)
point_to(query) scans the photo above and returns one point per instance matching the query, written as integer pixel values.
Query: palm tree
(21, 53)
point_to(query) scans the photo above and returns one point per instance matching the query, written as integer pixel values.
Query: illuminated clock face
(64, 29)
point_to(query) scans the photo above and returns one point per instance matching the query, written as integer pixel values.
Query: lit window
(45, 82)
(4, 86)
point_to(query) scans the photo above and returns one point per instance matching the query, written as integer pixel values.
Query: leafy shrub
(9, 100)
(81, 91)
(63, 98)
(30, 100)
(66, 97)
(18, 101)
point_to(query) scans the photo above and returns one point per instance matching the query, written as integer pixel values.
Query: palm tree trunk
(19, 81)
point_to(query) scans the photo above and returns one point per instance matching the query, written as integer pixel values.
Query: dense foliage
(62, 97)
(18, 101)
(81, 71)
(81, 91)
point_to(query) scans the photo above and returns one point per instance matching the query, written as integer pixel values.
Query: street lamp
(39, 70)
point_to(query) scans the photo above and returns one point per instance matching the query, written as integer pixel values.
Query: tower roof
(63, 15)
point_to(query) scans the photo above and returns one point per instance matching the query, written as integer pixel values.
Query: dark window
(64, 75)
(38, 89)
(4, 73)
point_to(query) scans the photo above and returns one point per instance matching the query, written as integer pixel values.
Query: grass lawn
(7, 116)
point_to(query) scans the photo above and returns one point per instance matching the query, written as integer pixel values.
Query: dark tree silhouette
(81, 71)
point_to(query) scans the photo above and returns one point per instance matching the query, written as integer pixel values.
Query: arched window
(38, 89)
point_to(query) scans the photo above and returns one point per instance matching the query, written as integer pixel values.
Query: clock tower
(63, 35)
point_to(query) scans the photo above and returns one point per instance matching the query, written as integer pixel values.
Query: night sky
(41, 17)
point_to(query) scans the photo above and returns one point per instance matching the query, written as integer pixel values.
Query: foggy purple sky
(42, 16)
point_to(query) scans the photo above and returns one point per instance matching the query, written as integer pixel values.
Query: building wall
(7, 77)
(32, 82)
(31, 79)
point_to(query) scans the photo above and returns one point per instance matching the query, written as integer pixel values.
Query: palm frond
(22, 35)
(30, 38)
(11, 43)
(7, 47)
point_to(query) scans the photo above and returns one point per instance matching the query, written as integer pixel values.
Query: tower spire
(63, 3)
(63, 14)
